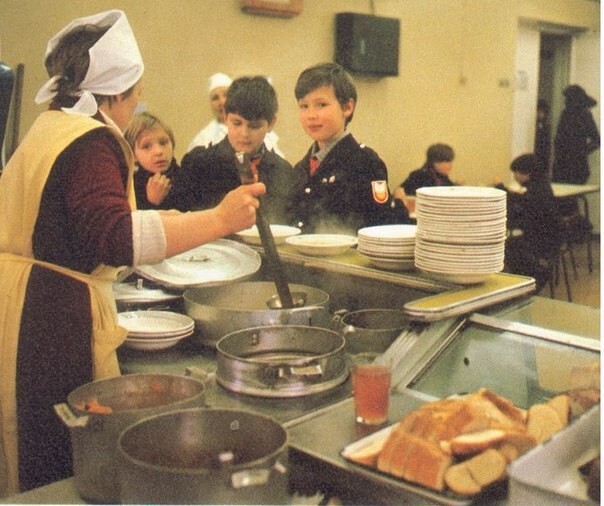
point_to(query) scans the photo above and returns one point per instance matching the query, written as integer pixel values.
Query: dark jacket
(208, 174)
(535, 212)
(339, 197)
(576, 137)
(424, 176)
(141, 176)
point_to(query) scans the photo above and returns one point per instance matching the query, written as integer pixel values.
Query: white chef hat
(115, 62)
(218, 80)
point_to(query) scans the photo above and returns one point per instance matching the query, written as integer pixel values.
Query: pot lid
(214, 263)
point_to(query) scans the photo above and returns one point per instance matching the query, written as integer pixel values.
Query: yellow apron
(21, 186)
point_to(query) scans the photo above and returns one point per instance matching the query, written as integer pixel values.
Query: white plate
(322, 244)
(391, 265)
(211, 264)
(130, 292)
(153, 344)
(280, 233)
(463, 278)
(461, 192)
(155, 323)
(388, 233)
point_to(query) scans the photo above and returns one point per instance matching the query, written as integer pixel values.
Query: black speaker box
(367, 44)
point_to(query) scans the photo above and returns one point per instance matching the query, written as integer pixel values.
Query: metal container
(218, 311)
(94, 436)
(204, 456)
(371, 330)
(281, 361)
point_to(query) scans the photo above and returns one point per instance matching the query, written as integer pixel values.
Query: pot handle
(254, 477)
(203, 375)
(301, 370)
(336, 320)
(69, 418)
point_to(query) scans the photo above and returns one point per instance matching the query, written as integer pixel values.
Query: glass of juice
(371, 388)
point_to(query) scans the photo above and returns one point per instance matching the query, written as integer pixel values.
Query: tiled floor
(585, 287)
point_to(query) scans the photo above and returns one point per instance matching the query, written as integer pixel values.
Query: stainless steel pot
(218, 311)
(371, 330)
(204, 456)
(94, 436)
(281, 361)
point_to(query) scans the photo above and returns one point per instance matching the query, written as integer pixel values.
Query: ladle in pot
(268, 243)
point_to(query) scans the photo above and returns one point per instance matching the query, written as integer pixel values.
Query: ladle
(268, 242)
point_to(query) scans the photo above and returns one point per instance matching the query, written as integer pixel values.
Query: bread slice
(516, 443)
(543, 422)
(475, 442)
(460, 481)
(487, 467)
(561, 405)
(368, 455)
(581, 399)
(585, 376)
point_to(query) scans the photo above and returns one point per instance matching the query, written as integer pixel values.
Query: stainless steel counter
(320, 425)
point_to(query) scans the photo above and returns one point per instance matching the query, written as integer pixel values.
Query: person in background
(339, 185)
(216, 129)
(152, 142)
(543, 140)
(68, 226)
(535, 214)
(208, 174)
(576, 137)
(434, 172)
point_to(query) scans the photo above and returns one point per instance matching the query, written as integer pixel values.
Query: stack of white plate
(461, 232)
(388, 247)
(155, 330)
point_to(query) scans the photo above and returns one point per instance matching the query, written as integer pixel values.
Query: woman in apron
(68, 223)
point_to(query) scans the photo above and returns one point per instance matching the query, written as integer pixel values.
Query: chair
(558, 264)
(575, 229)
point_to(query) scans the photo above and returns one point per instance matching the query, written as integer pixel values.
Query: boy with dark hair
(434, 172)
(340, 185)
(534, 213)
(207, 174)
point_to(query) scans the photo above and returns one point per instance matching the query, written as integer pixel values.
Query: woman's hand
(158, 186)
(237, 210)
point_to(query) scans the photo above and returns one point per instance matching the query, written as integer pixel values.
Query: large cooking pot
(204, 456)
(371, 330)
(218, 311)
(94, 433)
(281, 361)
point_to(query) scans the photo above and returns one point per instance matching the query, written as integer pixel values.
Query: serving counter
(459, 339)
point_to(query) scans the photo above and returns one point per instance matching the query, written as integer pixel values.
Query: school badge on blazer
(380, 191)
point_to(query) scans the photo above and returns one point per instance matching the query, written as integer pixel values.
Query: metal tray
(549, 474)
(214, 263)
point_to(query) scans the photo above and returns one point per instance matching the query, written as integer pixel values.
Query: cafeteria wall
(456, 69)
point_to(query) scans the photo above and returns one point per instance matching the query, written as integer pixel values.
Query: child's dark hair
(327, 74)
(526, 164)
(439, 153)
(252, 98)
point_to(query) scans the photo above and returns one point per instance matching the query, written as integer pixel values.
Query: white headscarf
(218, 80)
(115, 62)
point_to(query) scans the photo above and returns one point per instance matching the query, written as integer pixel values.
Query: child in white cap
(68, 223)
(216, 129)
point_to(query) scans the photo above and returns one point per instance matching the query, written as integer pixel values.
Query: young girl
(152, 142)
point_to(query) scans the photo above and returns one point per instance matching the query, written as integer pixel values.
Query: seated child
(434, 172)
(152, 143)
(535, 213)
(208, 174)
(340, 185)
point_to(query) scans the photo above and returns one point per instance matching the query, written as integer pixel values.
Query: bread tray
(549, 474)
(495, 492)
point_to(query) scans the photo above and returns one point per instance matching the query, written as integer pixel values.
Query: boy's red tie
(314, 165)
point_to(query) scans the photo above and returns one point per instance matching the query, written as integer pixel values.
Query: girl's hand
(158, 187)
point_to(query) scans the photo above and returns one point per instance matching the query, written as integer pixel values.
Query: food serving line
(456, 338)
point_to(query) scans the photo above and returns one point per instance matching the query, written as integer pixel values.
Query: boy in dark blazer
(340, 185)
(208, 174)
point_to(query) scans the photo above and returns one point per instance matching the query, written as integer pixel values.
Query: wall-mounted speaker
(367, 44)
